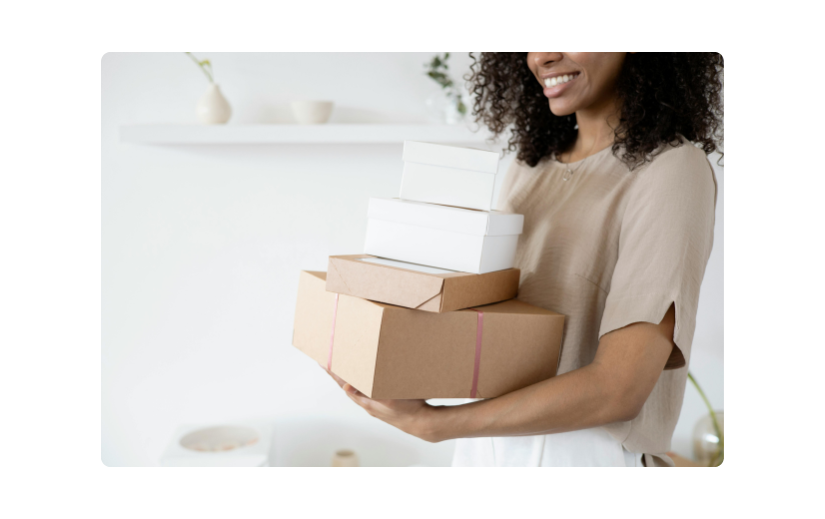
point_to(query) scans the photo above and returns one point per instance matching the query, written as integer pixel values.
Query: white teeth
(558, 80)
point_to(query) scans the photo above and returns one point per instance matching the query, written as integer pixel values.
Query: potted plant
(449, 105)
(212, 108)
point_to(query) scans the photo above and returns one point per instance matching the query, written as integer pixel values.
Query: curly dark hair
(660, 93)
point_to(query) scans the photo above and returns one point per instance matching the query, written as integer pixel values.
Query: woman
(618, 199)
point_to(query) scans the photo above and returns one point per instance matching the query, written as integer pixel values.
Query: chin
(560, 108)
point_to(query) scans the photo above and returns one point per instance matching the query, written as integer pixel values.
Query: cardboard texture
(387, 351)
(440, 236)
(394, 284)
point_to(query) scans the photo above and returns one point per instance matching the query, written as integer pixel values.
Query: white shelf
(299, 134)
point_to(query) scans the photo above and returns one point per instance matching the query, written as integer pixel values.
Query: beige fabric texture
(610, 247)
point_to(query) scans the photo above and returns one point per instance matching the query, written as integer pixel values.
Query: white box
(443, 237)
(448, 175)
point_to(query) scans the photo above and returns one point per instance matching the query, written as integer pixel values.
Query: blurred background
(206, 227)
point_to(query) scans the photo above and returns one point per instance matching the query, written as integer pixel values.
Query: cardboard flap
(408, 287)
(464, 292)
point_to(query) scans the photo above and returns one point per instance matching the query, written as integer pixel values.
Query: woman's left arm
(613, 388)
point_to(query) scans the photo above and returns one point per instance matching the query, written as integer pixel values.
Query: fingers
(362, 399)
(359, 398)
(354, 395)
(352, 391)
(338, 380)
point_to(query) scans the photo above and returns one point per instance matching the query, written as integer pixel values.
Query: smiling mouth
(560, 80)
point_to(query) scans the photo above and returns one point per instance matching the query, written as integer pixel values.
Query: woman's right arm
(613, 388)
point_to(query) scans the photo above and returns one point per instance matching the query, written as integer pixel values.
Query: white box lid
(455, 219)
(451, 156)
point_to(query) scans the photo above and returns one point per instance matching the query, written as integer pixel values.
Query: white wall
(202, 246)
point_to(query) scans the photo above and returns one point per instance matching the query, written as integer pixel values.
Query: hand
(415, 417)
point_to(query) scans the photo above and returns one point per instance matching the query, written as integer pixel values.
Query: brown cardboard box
(431, 290)
(390, 352)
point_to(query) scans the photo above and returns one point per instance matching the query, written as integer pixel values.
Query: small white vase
(212, 107)
(443, 106)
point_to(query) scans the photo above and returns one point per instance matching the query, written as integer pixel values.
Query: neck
(596, 127)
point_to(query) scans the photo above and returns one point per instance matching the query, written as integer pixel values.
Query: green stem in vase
(720, 452)
(203, 66)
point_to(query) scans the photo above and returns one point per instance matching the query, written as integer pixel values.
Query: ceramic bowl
(311, 112)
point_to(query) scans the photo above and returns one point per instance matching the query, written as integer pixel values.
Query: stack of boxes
(429, 311)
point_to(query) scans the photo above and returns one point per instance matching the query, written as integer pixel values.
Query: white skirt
(585, 448)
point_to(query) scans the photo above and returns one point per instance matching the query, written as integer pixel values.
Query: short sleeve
(664, 244)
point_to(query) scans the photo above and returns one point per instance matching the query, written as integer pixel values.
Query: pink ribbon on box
(477, 361)
(332, 333)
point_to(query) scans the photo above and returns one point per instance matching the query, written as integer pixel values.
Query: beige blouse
(609, 247)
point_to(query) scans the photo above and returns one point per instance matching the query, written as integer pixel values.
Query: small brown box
(428, 289)
(386, 351)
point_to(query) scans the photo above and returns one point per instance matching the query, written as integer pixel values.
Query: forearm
(612, 388)
(579, 399)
